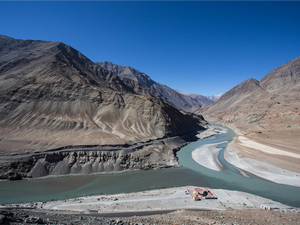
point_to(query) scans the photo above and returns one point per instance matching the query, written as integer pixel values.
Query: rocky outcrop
(157, 155)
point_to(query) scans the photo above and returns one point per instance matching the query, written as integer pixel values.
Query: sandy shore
(275, 163)
(264, 148)
(163, 199)
(207, 156)
(262, 169)
(254, 157)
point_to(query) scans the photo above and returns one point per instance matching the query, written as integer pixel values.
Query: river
(190, 173)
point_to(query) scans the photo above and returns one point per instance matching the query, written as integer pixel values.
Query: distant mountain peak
(200, 98)
(214, 97)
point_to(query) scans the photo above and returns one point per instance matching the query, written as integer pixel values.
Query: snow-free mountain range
(266, 111)
(185, 102)
(62, 114)
(53, 98)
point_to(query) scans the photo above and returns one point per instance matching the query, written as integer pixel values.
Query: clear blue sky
(196, 47)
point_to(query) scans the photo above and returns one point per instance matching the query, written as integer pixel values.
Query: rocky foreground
(262, 217)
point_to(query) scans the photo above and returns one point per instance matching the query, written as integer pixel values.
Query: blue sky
(197, 47)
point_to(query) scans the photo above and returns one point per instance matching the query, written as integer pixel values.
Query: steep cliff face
(155, 155)
(52, 96)
(140, 82)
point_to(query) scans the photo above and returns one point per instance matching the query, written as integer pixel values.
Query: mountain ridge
(169, 95)
(53, 97)
(264, 112)
(34, 73)
(200, 98)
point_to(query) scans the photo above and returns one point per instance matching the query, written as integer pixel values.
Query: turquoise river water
(190, 173)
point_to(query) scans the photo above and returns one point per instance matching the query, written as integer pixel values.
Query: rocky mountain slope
(255, 102)
(267, 111)
(140, 81)
(52, 96)
(203, 100)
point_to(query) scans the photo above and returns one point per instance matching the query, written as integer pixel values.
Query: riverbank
(253, 159)
(191, 173)
(156, 200)
(163, 206)
(248, 152)
(151, 155)
(207, 155)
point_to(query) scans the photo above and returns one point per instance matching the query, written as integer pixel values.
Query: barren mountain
(203, 100)
(266, 111)
(140, 82)
(52, 96)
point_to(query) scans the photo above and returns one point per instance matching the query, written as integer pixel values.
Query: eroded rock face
(156, 156)
(52, 96)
